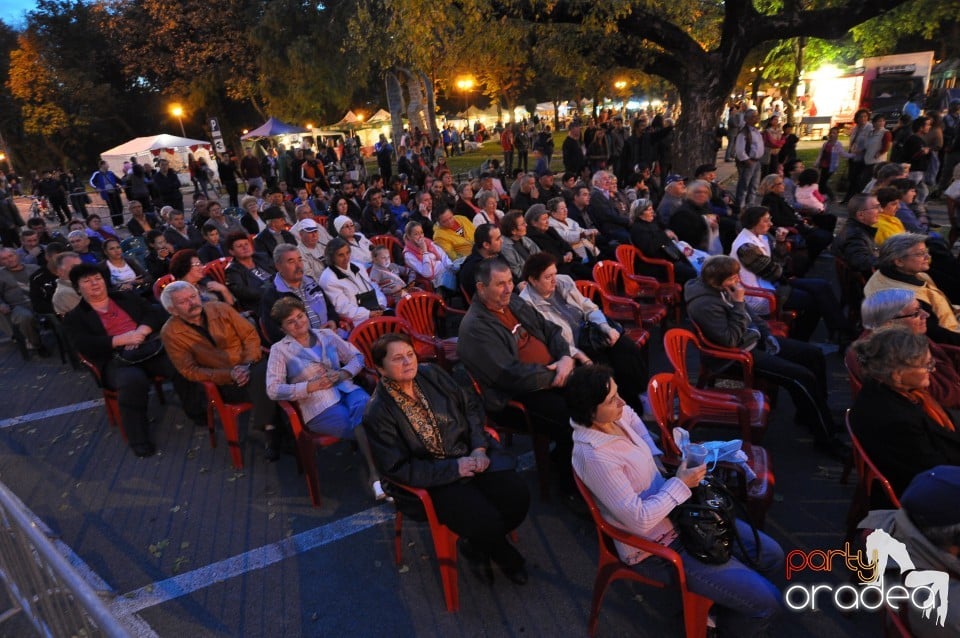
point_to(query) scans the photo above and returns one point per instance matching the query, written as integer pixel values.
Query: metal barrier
(42, 584)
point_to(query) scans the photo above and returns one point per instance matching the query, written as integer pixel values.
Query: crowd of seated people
(299, 285)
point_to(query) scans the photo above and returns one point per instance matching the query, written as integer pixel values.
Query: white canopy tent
(156, 147)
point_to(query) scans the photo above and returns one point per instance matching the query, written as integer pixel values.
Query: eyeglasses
(913, 315)
(196, 264)
(922, 255)
(929, 367)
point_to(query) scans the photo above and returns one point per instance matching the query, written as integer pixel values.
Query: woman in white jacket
(427, 259)
(348, 286)
(556, 297)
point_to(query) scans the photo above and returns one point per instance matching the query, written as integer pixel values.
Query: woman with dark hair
(715, 303)
(556, 298)
(186, 265)
(812, 233)
(316, 369)
(902, 428)
(618, 461)
(466, 206)
(348, 286)
(517, 247)
(657, 243)
(812, 298)
(120, 272)
(426, 432)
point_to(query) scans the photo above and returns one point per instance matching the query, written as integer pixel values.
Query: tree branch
(827, 24)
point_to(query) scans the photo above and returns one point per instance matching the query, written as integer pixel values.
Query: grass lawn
(838, 182)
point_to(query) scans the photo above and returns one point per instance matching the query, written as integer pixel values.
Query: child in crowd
(400, 212)
(808, 194)
(393, 279)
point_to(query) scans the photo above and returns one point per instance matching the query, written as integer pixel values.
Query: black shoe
(143, 450)
(516, 575)
(271, 450)
(478, 560)
(835, 448)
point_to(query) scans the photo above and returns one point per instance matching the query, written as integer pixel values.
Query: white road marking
(46, 414)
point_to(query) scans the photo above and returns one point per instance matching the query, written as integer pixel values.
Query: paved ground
(189, 547)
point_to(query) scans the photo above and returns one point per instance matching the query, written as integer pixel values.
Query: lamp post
(177, 111)
(465, 84)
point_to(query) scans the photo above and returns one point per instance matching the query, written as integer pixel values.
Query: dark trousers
(233, 191)
(59, 206)
(813, 298)
(116, 208)
(132, 383)
(255, 391)
(824, 186)
(801, 370)
(630, 369)
(484, 509)
(855, 181)
(547, 410)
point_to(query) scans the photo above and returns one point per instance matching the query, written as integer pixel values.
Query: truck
(889, 81)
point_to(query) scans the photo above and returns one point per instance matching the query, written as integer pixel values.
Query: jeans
(748, 183)
(746, 600)
(341, 418)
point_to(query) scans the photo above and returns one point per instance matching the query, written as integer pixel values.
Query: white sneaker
(379, 494)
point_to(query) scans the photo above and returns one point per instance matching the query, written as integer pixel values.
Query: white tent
(155, 147)
(380, 116)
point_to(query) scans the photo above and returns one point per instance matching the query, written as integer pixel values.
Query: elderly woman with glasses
(896, 307)
(903, 263)
(186, 265)
(902, 428)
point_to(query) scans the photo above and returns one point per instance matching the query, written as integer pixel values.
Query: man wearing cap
(722, 203)
(313, 241)
(674, 190)
(927, 526)
(547, 187)
(275, 232)
(748, 149)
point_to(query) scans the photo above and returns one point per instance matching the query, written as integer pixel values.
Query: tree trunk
(694, 140)
(395, 105)
(431, 106)
(791, 101)
(556, 114)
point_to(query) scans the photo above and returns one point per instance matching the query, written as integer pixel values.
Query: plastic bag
(717, 451)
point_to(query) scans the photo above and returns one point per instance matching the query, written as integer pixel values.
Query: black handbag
(145, 351)
(368, 300)
(671, 251)
(706, 524)
(593, 339)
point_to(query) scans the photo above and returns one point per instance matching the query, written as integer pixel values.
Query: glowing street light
(309, 126)
(620, 85)
(465, 84)
(177, 111)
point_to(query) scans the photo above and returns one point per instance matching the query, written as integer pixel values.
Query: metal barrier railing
(51, 594)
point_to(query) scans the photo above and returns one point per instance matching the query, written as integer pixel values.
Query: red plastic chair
(541, 442)
(669, 293)
(425, 312)
(216, 269)
(611, 568)
(321, 220)
(229, 418)
(623, 309)
(392, 243)
(870, 476)
(778, 321)
(592, 291)
(308, 444)
(367, 332)
(111, 399)
(746, 409)
(615, 279)
(161, 283)
(444, 543)
(757, 495)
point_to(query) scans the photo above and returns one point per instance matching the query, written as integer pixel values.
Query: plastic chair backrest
(392, 243)
(675, 343)
(161, 283)
(628, 255)
(216, 270)
(590, 290)
(662, 394)
(609, 276)
(420, 310)
(869, 473)
(366, 333)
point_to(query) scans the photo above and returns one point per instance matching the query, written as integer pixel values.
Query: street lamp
(465, 84)
(177, 111)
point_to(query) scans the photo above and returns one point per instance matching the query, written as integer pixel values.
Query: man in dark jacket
(167, 183)
(613, 226)
(574, 159)
(514, 353)
(487, 244)
(275, 233)
(100, 326)
(855, 244)
(691, 221)
(376, 218)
